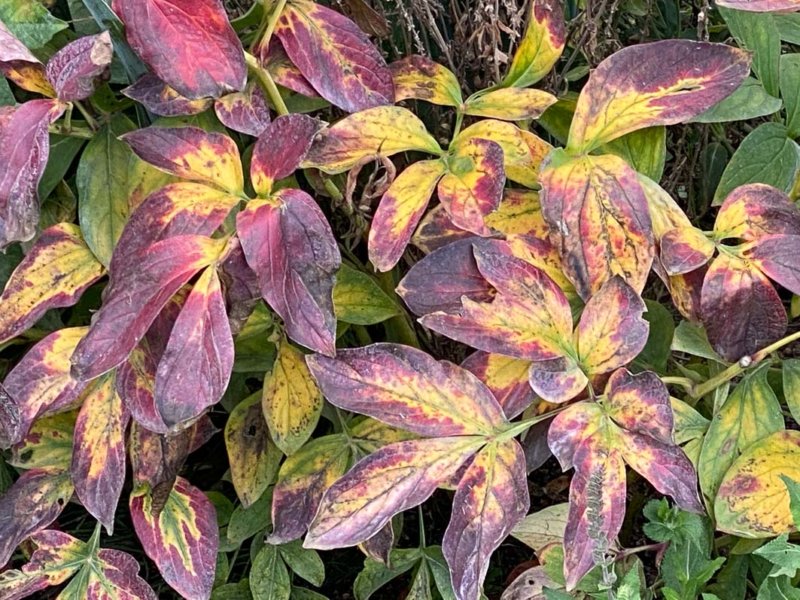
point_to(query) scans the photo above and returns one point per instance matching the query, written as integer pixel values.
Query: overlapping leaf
(635, 427)
(506, 378)
(21, 66)
(280, 149)
(194, 370)
(41, 384)
(25, 141)
(98, 459)
(245, 112)
(624, 93)
(509, 104)
(741, 310)
(421, 78)
(181, 539)
(289, 244)
(131, 306)
(160, 99)
(189, 45)
(55, 273)
(335, 56)
(380, 131)
(77, 69)
(598, 218)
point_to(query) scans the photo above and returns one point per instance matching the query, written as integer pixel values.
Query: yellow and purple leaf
(756, 210)
(740, 309)
(557, 380)
(245, 112)
(182, 539)
(31, 503)
(509, 104)
(280, 149)
(400, 210)
(473, 185)
(98, 457)
(303, 479)
(189, 44)
(190, 153)
(421, 78)
(393, 479)
(611, 332)
(407, 388)
(58, 268)
(506, 378)
(289, 244)
(40, 384)
(776, 257)
(529, 317)
(541, 46)
(379, 131)
(624, 93)
(599, 220)
(21, 66)
(490, 500)
(335, 56)
(438, 281)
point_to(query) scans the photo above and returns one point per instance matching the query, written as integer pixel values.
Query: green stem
(514, 429)
(87, 115)
(422, 541)
(684, 382)
(736, 368)
(265, 79)
(400, 325)
(273, 21)
(457, 128)
(72, 131)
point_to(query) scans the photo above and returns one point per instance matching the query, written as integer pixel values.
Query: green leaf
(691, 339)
(790, 91)
(749, 101)
(269, 577)
(233, 591)
(359, 300)
(630, 588)
(791, 386)
(104, 187)
(782, 554)
(750, 413)
(656, 352)
(794, 498)
(6, 95)
(63, 150)
(441, 573)
(303, 562)
(645, 150)
(30, 21)
(254, 352)
(788, 27)
(246, 522)
(758, 33)
(766, 155)
(375, 574)
(778, 588)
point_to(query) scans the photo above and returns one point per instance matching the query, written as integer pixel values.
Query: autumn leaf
(540, 47)
(194, 50)
(160, 99)
(78, 68)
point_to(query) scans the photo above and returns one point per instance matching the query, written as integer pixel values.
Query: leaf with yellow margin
(752, 500)
(291, 400)
(541, 46)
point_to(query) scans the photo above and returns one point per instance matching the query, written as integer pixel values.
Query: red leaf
(280, 149)
(131, 306)
(20, 66)
(755, 210)
(76, 70)
(24, 148)
(335, 56)
(189, 44)
(289, 244)
(197, 363)
(776, 256)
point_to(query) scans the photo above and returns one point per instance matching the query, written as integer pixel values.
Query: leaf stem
(87, 115)
(684, 382)
(514, 429)
(736, 368)
(265, 79)
(273, 21)
(72, 131)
